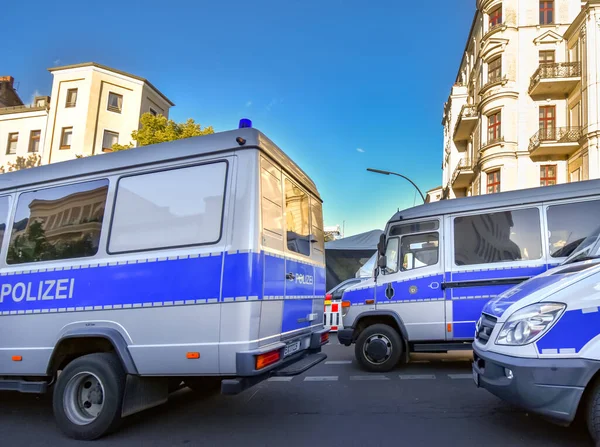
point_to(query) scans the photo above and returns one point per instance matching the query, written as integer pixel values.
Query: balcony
(555, 141)
(463, 174)
(467, 120)
(555, 80)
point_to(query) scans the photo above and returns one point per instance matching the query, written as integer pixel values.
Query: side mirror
(381, 245)
(382, 262)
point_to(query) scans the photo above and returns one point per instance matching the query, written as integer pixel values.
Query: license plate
(291, 348)
(475, 377)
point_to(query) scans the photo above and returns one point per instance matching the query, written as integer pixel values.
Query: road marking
(460, 376)
(416, 376)
(371, 377)
(338, 362)
(320, 378)
(280, 379)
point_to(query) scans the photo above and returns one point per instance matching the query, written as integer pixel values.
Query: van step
(23, 386)
(442, 347)
(301, 365)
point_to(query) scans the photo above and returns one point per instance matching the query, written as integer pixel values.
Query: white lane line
(417, 376)
(371, 377)
(280, 379)
(320, 378)
(460, 376)
(338, 362)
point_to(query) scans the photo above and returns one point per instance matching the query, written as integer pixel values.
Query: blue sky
(340, 85)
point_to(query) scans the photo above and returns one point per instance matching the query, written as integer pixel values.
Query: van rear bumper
(248, 375)
(550, 387)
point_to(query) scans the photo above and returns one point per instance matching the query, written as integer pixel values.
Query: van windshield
(588, 249)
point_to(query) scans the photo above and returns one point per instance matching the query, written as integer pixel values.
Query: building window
(505, 236)
(495, 69)
(110, 139)
(30, 240)
(34, 141)
(153, 112)
(173, 208)
(65, 138)
(546, 12)
(548, 175)
(115, 102)
(547, 122)
(496, 17)
(493, 182)
(547, 57)
(71, 97)
(494, 127)
(13, 139)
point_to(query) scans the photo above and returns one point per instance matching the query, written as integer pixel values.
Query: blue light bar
(245, 122)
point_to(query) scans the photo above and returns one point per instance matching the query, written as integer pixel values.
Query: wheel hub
(377, 349)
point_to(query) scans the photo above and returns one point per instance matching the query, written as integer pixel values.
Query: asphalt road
(430, 402)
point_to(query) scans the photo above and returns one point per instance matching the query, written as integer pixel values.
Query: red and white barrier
(332, 317)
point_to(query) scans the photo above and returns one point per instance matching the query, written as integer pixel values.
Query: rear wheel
(593, 411)
(379, 348)
(88, 396)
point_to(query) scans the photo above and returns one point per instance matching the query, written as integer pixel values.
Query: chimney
(8, 79)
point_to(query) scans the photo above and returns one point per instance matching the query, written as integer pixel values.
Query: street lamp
(379, 171)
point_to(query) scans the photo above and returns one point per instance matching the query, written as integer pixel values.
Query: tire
(593, 412)
(203, 385)
(385, 351)
(88, 396)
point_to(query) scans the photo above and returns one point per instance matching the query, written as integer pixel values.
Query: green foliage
(159, 129)
(22, 163)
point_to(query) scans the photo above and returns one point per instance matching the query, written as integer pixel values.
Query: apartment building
(91, 108)
(524, 109)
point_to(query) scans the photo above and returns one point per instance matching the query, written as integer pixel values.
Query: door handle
(290, 276)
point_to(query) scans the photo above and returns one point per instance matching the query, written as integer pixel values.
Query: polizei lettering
(50, 289)
(304, 279)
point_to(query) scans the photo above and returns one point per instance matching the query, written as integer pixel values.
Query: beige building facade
(91, 108)
(523, 111)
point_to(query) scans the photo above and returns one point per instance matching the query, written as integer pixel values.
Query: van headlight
(529, 324)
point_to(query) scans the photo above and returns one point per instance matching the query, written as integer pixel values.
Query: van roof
(503, 199)
(156, 153)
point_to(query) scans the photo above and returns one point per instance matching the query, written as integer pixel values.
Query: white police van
(199, 260)
(442, 262)
(538, 344)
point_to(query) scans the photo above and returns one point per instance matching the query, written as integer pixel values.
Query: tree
(22, 163)
(159, 129)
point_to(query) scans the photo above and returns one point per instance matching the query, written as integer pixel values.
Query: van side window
(49, 224)
(570, 224)
(498, 237)
(166, 209)
(4, 208)
(317, 225)
(391, 255)
(419, 250)
(271, 205)
(296, 219)
(418, 227)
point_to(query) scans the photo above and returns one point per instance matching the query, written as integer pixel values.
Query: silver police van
(441, 262)
(126, 274)
(537, 345)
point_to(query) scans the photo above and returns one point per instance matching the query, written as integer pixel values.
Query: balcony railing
(467, 119)
(556, 135)
(464, 168)
(553, 71)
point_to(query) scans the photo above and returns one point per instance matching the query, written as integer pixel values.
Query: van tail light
(266, 359)
(329, 297)
(324, 338)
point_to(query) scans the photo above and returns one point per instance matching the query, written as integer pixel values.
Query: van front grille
(485, 327)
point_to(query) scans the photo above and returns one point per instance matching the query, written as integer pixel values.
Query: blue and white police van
(125, 274)
(537, 345)
(441, 262)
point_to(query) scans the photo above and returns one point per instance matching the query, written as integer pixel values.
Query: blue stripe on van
(304, 282)
(467, 310)
(424, 288)
(572, 332)
(295, 313)
(463, 330)
(148, 283)
(512, 272)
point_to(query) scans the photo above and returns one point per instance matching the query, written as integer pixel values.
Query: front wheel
(88, 397)
(593, 412)
(378, 348)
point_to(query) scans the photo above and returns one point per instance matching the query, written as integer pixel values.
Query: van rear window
(497, 237)
(167, 209)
